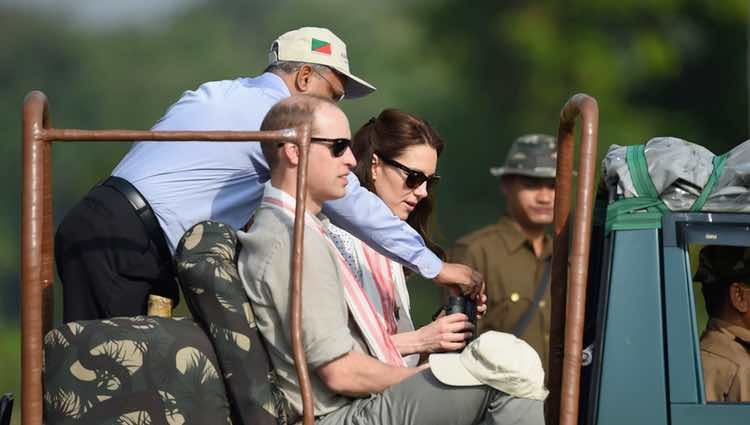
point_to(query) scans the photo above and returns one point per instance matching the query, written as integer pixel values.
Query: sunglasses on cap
(414, 178)
(337, 146)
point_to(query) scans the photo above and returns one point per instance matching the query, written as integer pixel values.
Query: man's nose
(349, 159)
(546, 195)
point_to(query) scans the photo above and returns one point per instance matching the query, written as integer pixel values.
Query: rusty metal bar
(569, 301)
(72, 135)
(32, 256)
(37, 257)
(300, 361)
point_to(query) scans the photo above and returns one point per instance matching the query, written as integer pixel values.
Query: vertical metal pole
(300, 360)
(559, 270)
(33, 269)
(569, 302)
(48, 253)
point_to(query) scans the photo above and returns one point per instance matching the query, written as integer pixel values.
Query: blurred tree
(482, 73)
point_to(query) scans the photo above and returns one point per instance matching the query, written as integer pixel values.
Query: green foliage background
(483, 72)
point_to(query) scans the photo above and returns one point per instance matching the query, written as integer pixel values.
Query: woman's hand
(446, 333)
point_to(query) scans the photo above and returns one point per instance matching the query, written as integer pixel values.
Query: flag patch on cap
(320, 46)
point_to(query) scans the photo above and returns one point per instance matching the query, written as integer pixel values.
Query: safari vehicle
(624, 346)
(631, 302)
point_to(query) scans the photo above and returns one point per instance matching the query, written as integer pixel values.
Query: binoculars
(461, 304)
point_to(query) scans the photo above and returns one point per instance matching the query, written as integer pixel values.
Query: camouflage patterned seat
(207, 270)
(151, 370)
(135, 370)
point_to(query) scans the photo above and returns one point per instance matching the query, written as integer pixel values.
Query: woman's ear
(374, 167)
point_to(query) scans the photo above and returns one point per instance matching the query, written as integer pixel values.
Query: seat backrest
(6, 408)
(213, 291)
(132, 370)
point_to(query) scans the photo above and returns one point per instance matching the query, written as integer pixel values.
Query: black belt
(142, 209)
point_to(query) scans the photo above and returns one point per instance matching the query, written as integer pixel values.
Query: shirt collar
(514, 239)
(271, 81)
(288, 199)
(735, 331)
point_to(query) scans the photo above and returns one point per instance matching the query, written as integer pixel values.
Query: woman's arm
(447, 333)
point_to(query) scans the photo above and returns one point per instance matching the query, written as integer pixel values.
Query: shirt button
(515, 297)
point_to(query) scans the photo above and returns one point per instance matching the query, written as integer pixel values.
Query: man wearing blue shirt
(115, 247)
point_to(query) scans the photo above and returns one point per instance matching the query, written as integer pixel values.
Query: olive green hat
(532, 155)
(723, 264)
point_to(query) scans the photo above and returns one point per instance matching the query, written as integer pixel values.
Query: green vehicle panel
(641, 329)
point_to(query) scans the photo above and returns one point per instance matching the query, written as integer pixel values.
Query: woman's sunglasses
(414, 178)
(337, 146)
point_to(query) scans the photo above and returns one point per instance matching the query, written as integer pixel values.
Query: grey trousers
(422, 399)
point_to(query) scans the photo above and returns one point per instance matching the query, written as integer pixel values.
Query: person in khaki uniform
(514, 254)
(725, 344)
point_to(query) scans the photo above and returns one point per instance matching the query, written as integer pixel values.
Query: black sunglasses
(337, 146)
(414, 178)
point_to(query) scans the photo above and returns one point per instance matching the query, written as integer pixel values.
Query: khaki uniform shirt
(725, 353)
(512, 273)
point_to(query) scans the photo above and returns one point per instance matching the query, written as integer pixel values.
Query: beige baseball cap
(319, 46)
(497, 359)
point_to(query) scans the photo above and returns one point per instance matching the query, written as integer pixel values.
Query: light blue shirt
(188, 182)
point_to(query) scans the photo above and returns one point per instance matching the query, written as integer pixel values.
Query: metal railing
(37, 257)
(569, 300)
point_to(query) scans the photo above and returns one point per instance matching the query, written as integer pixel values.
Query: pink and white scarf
(374, 330)
(382, 279)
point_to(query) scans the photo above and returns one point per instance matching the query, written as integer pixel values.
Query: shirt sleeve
(365, 216)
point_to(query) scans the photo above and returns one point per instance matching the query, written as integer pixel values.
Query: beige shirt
(328, 332)
(512, 273)
(725, 353)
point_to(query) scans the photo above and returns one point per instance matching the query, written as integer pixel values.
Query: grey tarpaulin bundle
(671, 174)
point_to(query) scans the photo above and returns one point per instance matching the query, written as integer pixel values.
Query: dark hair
(388, 136)
(716, 298)
(719, 266)
(288, 113)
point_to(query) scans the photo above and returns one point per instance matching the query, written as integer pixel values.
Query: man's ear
(291, 153)
(738, 295)
(302, 78)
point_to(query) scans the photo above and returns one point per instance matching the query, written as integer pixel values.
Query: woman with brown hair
(397, 157)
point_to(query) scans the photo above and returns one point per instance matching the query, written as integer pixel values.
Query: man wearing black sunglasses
(115, 247)
(515, 253)
(357, 374)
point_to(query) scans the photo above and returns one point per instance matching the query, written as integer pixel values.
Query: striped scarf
(370, 323)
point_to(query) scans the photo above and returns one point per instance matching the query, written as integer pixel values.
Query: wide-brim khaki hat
(497, 359)
(323, 47)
